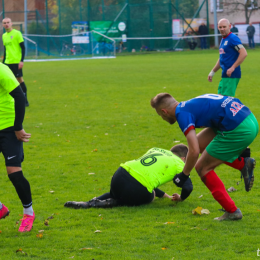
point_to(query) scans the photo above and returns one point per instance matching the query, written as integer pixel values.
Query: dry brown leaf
(51, 217)
(40, 235)
(0, 231)
(91, 173)
(46, 222)
(163, 248)
(21, 251)
(95, 150)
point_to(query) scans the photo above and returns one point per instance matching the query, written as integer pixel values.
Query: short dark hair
(180, 150)
(160, 99)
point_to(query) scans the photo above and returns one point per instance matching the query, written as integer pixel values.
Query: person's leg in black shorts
(125, 190)
(128, 191)
(12, 150)
(18, 73)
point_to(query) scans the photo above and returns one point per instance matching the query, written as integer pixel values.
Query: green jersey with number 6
(154, 168)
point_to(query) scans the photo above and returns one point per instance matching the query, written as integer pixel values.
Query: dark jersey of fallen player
(211, 110)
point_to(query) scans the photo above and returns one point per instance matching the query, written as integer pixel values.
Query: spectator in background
(203, 30)
(234, 29)
(14, 52)
(191, 41)
(250, 30)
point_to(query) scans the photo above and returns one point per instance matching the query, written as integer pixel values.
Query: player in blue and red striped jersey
(229, 126)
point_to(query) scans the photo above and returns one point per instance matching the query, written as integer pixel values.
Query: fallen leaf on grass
(95, 150)
(200, 210)
(40, 235)
(51, 217)
(51, 191)
(200, 196)
(40, 231)
(231, 189)
(97, 231)
(91, 173)
(205, 211)
(21, 251)
(46, 222)
(168, 223)
(176, 141)
(86, 248)
(163, 248)
(197, 211)
(0, 231)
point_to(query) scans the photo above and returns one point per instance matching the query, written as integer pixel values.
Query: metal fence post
(47, 26)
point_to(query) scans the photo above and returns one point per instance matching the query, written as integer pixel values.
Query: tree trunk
(246, 14)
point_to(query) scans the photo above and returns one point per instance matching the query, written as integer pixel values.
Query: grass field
(88, 116)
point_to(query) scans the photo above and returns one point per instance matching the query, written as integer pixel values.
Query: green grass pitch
(88, 116)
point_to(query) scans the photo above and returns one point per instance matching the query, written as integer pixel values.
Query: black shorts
(11, 148)
(14, 68)
(128, 190)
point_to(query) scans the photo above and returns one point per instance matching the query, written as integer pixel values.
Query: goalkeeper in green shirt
(136, 182)
(14, 52)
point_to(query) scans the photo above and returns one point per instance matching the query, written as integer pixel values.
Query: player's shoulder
(233, 37)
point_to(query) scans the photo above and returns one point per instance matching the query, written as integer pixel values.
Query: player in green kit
(14, 51)
(12, 136)
(136, 182)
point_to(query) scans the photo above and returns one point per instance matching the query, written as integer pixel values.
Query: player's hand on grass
(180, 178)
(20, 65)
(167, 196)
(230, 71)
(22, 136)
(176, 197)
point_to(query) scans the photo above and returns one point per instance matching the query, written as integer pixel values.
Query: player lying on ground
(230, 128)
(136, 182)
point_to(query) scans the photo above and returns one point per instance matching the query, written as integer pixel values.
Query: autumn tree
(247, 7)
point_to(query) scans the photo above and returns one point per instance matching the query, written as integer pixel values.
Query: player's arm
(20, 65)
(187, 188)
(159, 193)
(191, 159)
(213, 71)
(4, 55)
(19, 107)
(242, 55)
(193, 153)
